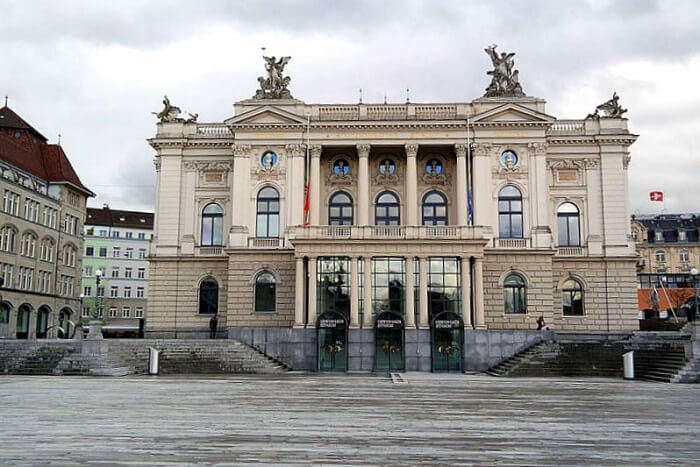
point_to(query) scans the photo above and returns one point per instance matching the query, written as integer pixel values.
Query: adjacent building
(43, 210)
(379, 236)
(115, 267)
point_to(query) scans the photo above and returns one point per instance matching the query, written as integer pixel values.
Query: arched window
(510, 212)
(514, 294)
(208, 297)
(5, 309)
(340, 209)
(268, 222)
(434, 209)
(46, 253)
(28, 245)
(212, 224)
(265, 294)
(386, 209)
(660, 256)
(572, 298)
(7, 239)
(568, 225)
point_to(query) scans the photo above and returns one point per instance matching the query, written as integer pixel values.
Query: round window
(268, 159)
(341, 167)
(387, 167)
(509, 158)
(434, 166)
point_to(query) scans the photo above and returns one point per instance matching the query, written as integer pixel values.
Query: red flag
(307, 203)
(656, 196)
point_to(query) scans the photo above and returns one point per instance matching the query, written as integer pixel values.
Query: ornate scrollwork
(363, 150)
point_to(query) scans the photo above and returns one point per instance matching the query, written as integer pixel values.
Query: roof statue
(171, 114)
(275, 85)
(504, 78)
(610, 109)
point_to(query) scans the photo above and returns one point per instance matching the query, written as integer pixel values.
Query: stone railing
(209, 251)
(567, 127)
(213, 131)
(435, 112)
(386, 112)
(511, 243)
(389, 232)
(262, 242)
(339, 112)
(571, 251)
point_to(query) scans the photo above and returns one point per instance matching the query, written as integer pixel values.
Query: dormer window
(659, 236)
(682, 236)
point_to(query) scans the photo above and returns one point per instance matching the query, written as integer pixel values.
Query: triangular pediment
(266, 115)
(512, 113)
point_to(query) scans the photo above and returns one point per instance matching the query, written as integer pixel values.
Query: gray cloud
(93, 71)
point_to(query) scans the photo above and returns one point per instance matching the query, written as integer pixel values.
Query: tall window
(268, 222)
(7, 239)
(514, 294)
(510, 212)
(568, 225)
(333, 285)
(444, 293)
(208, 297)
(684, 256)
(388, 285)
(660, 256)
(265, 293)
(386, 210)
(434, 209)
(572, 298)
(340, 209)
(212, 224)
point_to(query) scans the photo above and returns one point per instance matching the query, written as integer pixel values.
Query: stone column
(539, 206)
(315, 181)
(299, 294)
(410, 297)
(423, 294)
(367, 278)
(312, 292)
(411, 184)
(354, 296)
(363, 184)
(461, 152)
(484, 208)
(466, 295)
(479, 294)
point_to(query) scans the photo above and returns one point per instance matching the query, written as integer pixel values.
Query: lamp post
(95, 324)
(694, 275)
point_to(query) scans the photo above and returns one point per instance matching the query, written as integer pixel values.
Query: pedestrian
(213, 322)
(540, 323)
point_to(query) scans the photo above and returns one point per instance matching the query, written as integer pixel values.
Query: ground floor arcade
(36, 316)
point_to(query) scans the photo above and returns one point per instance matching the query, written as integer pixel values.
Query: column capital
(295, 150)
(482, 149)
(241, 150)
(316, 150)
(537, 148)
(411, 149)
(461, 149)
(363, 150)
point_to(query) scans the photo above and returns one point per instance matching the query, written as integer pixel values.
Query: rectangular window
(139, 292)
(113, 291)
(11, 203)
(129, 253)
(142, 273)
(100, 291)
(126, 312)
(6, 271)
(86, 312)
(142, 236)
(127, 292)
(115, 234)
(127, 272)
(87, 291)
(88, 271)
(103, 233)
(129, 234)
(89, 251)
(116, 251)
(444, 286)
(388, 282)
(103, 252)
(142, 253)
(100, 311)
(112, 312)
(115, 271)
(138, 312)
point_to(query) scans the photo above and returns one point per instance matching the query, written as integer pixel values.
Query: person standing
(213, 322)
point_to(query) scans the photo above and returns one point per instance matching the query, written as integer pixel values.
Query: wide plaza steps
(43, 361)
(658, 365)
(505, 367)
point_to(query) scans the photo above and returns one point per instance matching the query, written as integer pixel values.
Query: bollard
(153, 361)
(628, 359)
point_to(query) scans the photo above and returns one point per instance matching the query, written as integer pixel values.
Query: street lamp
(694, 275)
(96, 323)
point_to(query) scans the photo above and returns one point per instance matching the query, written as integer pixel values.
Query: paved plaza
(354, 420)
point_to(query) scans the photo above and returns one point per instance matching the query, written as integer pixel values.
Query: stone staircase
(43, 361)
(506, 366)
(690, 373)
(658, 365)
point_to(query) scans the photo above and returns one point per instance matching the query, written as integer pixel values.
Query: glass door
(389, 342)
(332, 337)
(447, 331)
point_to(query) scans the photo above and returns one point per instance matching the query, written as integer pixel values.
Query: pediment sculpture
(504, 77)
(274, 86)
(610, 108)
(171, 114)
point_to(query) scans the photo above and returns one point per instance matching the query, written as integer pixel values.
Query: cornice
(511, 124)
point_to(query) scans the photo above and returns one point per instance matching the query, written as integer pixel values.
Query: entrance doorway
(389, 342)
(447, 342)
(23, 315)
(332, 338)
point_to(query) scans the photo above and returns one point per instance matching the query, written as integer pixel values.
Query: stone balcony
(389, 232)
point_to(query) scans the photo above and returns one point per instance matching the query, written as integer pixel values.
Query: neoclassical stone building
(375, 236)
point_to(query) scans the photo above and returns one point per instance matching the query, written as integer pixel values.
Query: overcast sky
(94, 70)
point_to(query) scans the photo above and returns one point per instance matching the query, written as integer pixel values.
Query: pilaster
(411, 184)
(299, 293)
(483, 202)
(363, 184)
(461, 153)
(410, 298)
(367, 299)
(354, 297)
(312, 292)
(466, 292)
(480, 322)
(315, 194)
(423, 291)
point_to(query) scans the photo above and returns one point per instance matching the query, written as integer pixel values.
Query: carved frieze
(208, 166)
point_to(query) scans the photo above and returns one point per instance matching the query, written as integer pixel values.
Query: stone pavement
(346, 419)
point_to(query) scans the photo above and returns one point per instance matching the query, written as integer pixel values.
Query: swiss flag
(656, 196)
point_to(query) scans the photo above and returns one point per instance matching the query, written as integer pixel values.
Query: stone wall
(485, 349)
(174, 296)
(243, 267)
